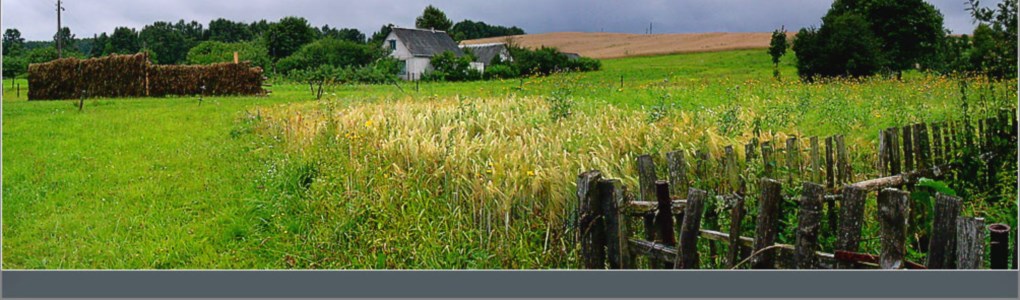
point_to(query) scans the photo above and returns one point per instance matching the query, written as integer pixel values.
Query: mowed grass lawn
(442, 175)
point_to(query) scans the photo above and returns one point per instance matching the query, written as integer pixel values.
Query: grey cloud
(37, 21)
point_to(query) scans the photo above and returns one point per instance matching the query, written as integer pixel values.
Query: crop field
(477, 175)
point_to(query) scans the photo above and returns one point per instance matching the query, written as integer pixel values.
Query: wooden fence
(828, 196)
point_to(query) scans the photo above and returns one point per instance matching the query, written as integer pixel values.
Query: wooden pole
(830, 171)
(612, 195)
(908, 149)
(736, 219)
(646, 177)
(842, 160)
(677, 166)
(792, 158)
(591, 229)
(970, 243)
(851, 216)
(664, 218)
(894, 151)
(767, 227)
(816, 162)
(691, 229)
(893, 206)
(942, 246)
(808, 223)
(766, 158)
(999, 248)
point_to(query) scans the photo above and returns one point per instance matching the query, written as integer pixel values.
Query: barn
(486, 53)
(414, 48)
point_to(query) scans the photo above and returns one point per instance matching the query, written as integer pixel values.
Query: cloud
(37, 21)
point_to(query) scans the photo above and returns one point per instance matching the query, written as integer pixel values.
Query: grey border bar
(509, 284)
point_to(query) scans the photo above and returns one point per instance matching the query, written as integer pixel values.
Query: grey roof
(426, 42)
(486, 52)
(572, 56)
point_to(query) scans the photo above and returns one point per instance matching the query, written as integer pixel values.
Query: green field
(438, 176)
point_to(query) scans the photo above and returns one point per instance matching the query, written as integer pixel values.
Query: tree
(13, 42)
(288, 35)
(469, 30)
(168, 44)
(258, 28)
(777, 48)
(347, 34)
(995, 38)
(227, 31)
(433, 18)
(333, 52)
(380, 35)
(124, 40)
(909, 30)
(14, 65)
(210, 52)
(67, 39)
(101, 45)
(844, 46)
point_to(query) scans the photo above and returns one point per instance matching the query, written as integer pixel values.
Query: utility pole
(60, 53)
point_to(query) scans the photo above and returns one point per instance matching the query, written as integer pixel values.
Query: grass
(448, 175)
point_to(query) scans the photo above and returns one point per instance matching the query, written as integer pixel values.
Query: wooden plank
(766, 158)
(792, 158)
(843, 161)
(905, 178)
(882, 163)
(730, 172)
(922, 146)
(690, 231)
(908, 149)
(893, 208)
(936, 137)
(830, 171)
(734, 256)
(612, 194)
(767, 227)
(676, 164)
(646, 177)
(654, 251)
(816, 162)
(970, 243)
(664, 219)
(785, 252)
(808, 223)
(591, 229)
(942, 246)
(894, 151)
(999, 246)
(640, 208)
(851, 216)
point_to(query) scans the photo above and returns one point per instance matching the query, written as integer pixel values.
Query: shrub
(585, 64)
(332, 52)
(501, 71)
(447, 66)
(210, 52)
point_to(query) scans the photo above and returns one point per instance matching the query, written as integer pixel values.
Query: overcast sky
(36, 19)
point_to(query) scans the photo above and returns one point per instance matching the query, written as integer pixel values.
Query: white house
(485, 53)
(416, 47)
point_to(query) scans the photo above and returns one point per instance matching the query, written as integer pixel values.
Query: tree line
(860, 38)
(280, 46)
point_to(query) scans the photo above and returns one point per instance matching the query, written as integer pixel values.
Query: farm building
(416, 47)
(486, 53)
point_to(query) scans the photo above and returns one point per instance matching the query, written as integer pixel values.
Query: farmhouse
(414, 48)
(486, 53)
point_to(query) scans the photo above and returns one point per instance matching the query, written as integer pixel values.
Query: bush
(332, 52)
(501, 71)
(210, 52)
(585, 64)
(447, 66)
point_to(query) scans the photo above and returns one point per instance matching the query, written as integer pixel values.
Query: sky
(36, 19)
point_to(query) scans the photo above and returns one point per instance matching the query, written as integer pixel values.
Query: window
(393, 44)
(403, 67)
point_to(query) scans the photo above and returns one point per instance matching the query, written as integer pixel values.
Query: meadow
(428, 176)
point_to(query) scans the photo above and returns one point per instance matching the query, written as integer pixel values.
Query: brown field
(614, 45)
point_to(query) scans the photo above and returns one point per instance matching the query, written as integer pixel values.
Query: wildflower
(368, 123)
(531, 173)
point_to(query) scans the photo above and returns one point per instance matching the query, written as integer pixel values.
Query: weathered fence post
(970, 243)
(736, 218)
(590, 227)
(830, 171)
(999, 246)
(936, 137)
(677, 166)
(816, 163)
(613, 200)
(908, 149)
(687, 252)
(894, 151)
(664, 217)
(766, 230)
(808, 221)
(646, 185)
(921, 146)
(893, 208)
(843, 161)
(766, 158)
(883, 153)
(851, 214)
(792, 158)
(942, 246)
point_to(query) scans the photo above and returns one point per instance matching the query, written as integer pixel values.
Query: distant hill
(614, 45)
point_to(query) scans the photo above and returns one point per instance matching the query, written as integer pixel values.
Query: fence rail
(678, 212)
